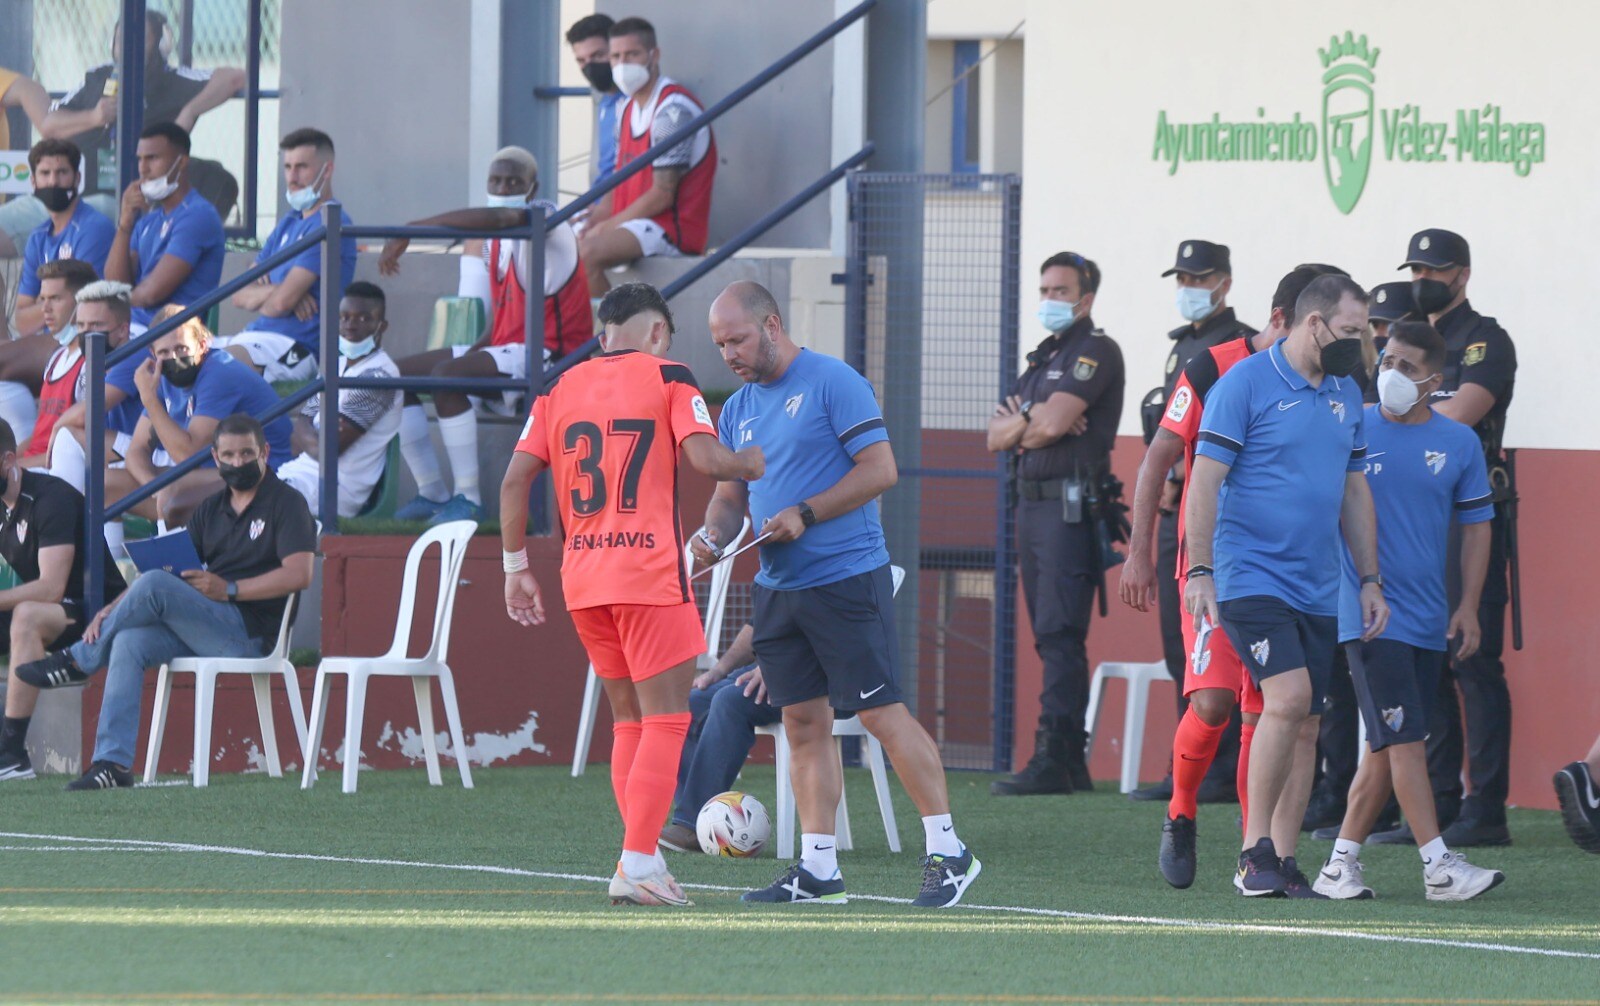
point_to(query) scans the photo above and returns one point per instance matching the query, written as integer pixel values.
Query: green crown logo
(1349, 46)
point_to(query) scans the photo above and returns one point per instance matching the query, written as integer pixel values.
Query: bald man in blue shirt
(1277, 474)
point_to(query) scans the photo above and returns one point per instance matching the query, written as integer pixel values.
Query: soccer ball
(733, 824)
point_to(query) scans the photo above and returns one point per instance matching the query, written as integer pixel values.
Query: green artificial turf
(105, 921)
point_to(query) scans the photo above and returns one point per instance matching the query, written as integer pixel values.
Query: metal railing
(330, 236)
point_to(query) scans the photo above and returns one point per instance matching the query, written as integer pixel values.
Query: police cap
(1437, 249)
(1391, 302)
(1198, 258)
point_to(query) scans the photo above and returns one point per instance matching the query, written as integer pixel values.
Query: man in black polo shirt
(256, 539)
(41, 539)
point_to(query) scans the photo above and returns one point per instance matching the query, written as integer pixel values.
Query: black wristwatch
(233, 590)
(808, 516)
(1376, 578)
(1026, 412)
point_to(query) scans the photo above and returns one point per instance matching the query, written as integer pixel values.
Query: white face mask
(301, 200)
(629, 77)
(1397, 393)
(157, 189)
(66, 335)
(512, 202)
(1194, 303)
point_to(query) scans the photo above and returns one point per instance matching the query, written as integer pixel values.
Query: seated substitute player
(102, 307)
(1214, 680)
(611, 430)
(824, 598)
(368, 417)
(726, 705)
(60, 283)
(284, 342)
(74, 229)
(1282, 443)
(257, 541)
(1425, 470)
(42, 539)
(500, 277)
(1579, 795)
(187, 389)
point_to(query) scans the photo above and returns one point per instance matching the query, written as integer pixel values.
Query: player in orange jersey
(610, 430)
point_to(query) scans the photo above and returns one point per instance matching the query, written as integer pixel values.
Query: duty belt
(1041, 489)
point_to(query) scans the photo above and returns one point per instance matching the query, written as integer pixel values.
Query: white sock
(18, 409)
(638, 865)
(460, 436)
(416, 446)
(941, 836)
(1433, 851)
(1344, 848)
(67, 459)
(819, 854)
(114, 539)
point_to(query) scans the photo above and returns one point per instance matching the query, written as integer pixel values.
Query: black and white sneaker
(103, 775)
(1260, 872)
(798, 887)
(1177, 851)
(1580, 805)
(15, 765)
(946, 878)
(53, 670)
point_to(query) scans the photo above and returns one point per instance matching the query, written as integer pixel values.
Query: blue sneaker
(421, 508)
(946, 878)
(798, 887)
(1260, 872)
(459, 508)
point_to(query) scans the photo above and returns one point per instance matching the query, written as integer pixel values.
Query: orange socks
(1247, 733)
(654, 776)
(624, 747)
(1194, 747)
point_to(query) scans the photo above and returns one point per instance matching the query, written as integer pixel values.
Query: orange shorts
(1223, 670)
(638, 641)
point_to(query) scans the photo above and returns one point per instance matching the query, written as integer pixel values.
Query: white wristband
(514, 562)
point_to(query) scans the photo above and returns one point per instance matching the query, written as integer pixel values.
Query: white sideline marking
(139, 844)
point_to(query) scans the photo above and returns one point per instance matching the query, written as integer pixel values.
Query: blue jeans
(721, 734)
(159, 618)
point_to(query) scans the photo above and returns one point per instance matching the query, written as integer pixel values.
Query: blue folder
(173, 552)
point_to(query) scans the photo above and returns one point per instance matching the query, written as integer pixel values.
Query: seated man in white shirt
(368, 417)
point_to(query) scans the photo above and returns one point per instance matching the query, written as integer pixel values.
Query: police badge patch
(1394, 719)
(1084, 368)
(1474, 354)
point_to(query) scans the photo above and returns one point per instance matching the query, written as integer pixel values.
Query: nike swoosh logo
(1378, 454)
(1335, 877)
(1448, 882)
(1286, 406)
(868, 695)
(949, 827)
(1588, 784)
(1187, 758)
(822, 848)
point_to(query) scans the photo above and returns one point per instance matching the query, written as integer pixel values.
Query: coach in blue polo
(824, 599)
(1277, 474)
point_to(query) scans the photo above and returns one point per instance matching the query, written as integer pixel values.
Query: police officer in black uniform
(1060, 424)
(1204, 272)
(1390, 302)
(1479, 375)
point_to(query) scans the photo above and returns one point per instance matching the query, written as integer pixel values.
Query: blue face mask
(511, 202)
(356, 350)
(66, 335)
(1194, 303)
(1056, 315)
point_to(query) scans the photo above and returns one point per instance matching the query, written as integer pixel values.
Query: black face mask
(1341, 357)
(241, 477)
(180, 372)
(1431, 295)
(55, 197)
(599, 76)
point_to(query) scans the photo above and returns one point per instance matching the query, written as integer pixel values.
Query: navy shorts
(837, 639)
(1395, 684)
(1271, 637)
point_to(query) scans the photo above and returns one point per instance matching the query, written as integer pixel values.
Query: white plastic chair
(206, 670)
(1139, 678)
(452, 540)
(716, 604)
(786, 822)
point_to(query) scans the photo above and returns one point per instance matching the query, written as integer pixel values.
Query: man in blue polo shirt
(285, 340)
(169, 241)
(187, 388)
(74, 229)
(1277, 474)
(824, 608)
(1424, 470)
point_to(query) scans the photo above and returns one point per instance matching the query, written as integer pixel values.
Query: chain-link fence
(72, 37)
(932, 287)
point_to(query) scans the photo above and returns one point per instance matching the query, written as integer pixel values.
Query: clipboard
(747, 546)
(173, 552)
